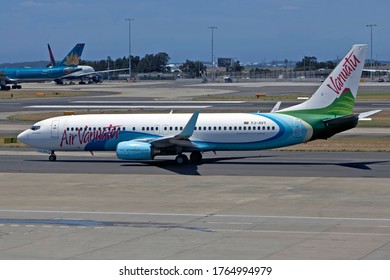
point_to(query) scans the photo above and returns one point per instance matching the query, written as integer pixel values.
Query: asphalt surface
(253, 163)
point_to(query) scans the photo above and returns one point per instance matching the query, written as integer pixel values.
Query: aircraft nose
(23, 137)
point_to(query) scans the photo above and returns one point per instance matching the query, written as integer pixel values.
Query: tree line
(149, 63)
(158, 63)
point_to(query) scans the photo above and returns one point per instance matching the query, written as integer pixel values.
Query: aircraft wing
(114, 70)
(181, 139)
(376, 70)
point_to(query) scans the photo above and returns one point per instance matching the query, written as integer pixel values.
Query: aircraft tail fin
(73, 57)
(52, 60)
(336, 96)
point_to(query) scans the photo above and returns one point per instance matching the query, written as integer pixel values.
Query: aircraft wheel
(52, 157)
(181, 159)
(196, 157)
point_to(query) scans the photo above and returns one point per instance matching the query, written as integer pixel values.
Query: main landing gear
(196, 157)
(5, 87)
(52, 156)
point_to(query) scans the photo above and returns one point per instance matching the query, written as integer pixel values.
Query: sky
(247, 30)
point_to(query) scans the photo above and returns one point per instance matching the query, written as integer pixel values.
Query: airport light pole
(212, 51)
(371, 26)
(129, 20)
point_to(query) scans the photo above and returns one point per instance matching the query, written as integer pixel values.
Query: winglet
(276, 107)
(190, 126)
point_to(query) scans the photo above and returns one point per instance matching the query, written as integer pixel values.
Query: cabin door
(297, 132)
(55, 128)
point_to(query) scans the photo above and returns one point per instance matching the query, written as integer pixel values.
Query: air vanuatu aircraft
(145, 136)
(16, 76)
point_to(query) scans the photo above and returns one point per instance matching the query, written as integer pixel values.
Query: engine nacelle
(134, 151)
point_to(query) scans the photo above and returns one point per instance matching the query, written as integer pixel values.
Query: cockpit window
(35, 127)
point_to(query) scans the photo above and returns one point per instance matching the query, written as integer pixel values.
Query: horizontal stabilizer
(363, 116)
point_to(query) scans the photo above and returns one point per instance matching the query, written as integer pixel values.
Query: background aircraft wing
(114, 70)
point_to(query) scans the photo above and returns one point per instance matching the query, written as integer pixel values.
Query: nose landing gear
(52, 156)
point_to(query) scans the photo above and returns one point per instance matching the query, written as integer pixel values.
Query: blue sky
(248, 30)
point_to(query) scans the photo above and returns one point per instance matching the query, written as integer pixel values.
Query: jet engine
(131, 150)
(98, 78)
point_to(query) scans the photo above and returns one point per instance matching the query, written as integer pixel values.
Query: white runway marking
(206, 215)
(162, 102)
(115, 107)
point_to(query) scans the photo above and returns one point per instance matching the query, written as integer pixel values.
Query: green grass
(22, 94)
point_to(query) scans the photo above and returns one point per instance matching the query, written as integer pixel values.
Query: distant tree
(153, 63)
(193, 68)
(307, 63)
(311, 63)
(237, 66)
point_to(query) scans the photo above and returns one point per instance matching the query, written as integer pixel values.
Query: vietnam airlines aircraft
(144, 136)
(82, 73)
(16, 76)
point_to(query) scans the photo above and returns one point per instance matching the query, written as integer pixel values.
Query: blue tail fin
(73, 57)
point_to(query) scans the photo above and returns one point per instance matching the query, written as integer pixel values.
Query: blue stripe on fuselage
(284, 137)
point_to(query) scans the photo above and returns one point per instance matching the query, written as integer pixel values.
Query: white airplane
(145, 136)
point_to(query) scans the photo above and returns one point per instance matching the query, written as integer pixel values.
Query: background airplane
(15, 76)
(144, 136)
(84, 72)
